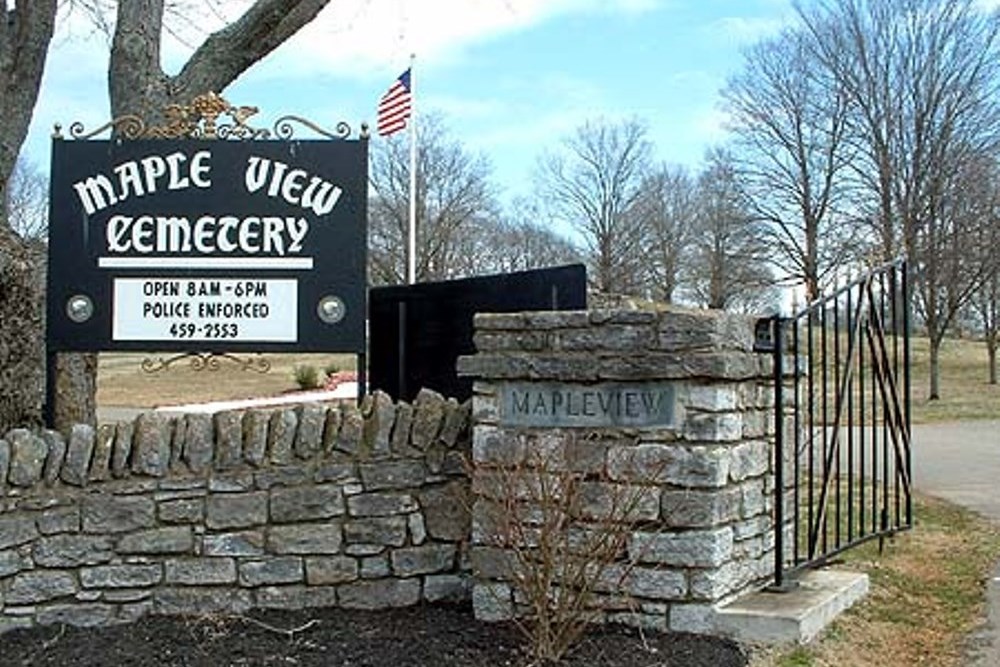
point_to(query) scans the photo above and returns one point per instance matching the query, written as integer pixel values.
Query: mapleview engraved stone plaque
(557, 405)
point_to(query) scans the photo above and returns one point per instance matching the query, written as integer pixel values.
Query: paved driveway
(961, 463)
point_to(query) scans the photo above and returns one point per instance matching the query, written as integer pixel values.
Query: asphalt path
(960, 462)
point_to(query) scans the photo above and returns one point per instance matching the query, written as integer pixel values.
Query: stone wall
(673, 406)
(299, 507)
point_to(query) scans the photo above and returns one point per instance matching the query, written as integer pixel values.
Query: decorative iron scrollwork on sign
(207, 116)
(211, 361)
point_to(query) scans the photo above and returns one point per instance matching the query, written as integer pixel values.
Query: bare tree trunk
(935, 368)
(25, 34)
(991, 351)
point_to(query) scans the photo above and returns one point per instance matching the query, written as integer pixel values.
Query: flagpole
(411, 246)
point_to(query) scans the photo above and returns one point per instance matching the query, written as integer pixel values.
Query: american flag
(394, 107)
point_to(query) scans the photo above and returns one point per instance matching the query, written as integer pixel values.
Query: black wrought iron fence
(842, 415)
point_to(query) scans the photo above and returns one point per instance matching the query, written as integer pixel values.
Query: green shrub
(331, 367)
(307, 377)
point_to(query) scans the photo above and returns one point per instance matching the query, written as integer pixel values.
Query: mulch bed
(429, 636)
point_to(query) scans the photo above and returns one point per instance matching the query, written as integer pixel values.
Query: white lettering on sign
(166, 309)
(207, 235)
(318, 195)
(138, 178)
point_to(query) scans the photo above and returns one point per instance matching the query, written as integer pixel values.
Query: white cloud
(746, 30)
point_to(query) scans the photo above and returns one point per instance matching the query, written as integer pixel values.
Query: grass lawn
(926, 596)
(121, 381)
(965, 392)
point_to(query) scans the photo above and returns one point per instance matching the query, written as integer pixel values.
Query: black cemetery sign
(197, 243)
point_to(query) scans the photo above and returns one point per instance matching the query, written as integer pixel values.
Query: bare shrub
(558, 534)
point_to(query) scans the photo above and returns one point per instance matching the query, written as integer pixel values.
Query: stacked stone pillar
(672, 405)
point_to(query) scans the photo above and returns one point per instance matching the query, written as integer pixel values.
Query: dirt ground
(433, 636)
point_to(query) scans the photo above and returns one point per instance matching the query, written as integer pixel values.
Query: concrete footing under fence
(796, 615)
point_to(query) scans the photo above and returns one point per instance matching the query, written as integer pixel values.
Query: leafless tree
(729, 267)
(592, 183)
(789, 120)
(518, 241)
(921, 78)
(667, 207)
(454, 195)
(27, 202)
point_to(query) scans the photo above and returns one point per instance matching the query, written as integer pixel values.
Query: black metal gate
(842, 416)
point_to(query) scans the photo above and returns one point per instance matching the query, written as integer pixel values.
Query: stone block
(655, 584)
(59, 520)
(694, 508)
(201, 600)
(374, 567)
(281, 436)
(55, 443)
(171, 540)
(309, 435)
(426, 559)
(698, 618)
(749, 459)
(716, 583)
(236, 510)
(492, 602)
(331, 427)
(38, 586)
(228, 439)
(399, 442)
(100, 464)
(352, 424)
(255, 423)
(281, 570)
(4, 463)
(284, 476)
(27, 457)
(306, 539)
(387, 531)
(151, 445)
(11, 562)
(78, 452)
(331, 570)
(306, 503)
(72, 550)
(16, 530)
(117, 514)
(418, 529)
(695, 548)
(88, 615)
(392, 475)
(428, 414)
(121, 452)
(712, 397)
(121, 576)
(199, 571)
(447, 588)
(457, 420)
(679, 465)
(244, 543)
(231, 482)
(198, 450)
(493, 446)
(380, 415)
(379, 593)
(489, 562)
(617, 502)
(713, 427)
(381, 504)
(183, 510)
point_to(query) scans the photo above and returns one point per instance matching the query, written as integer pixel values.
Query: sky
(510, 78)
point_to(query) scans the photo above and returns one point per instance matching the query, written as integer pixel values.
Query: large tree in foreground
(25, 32)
